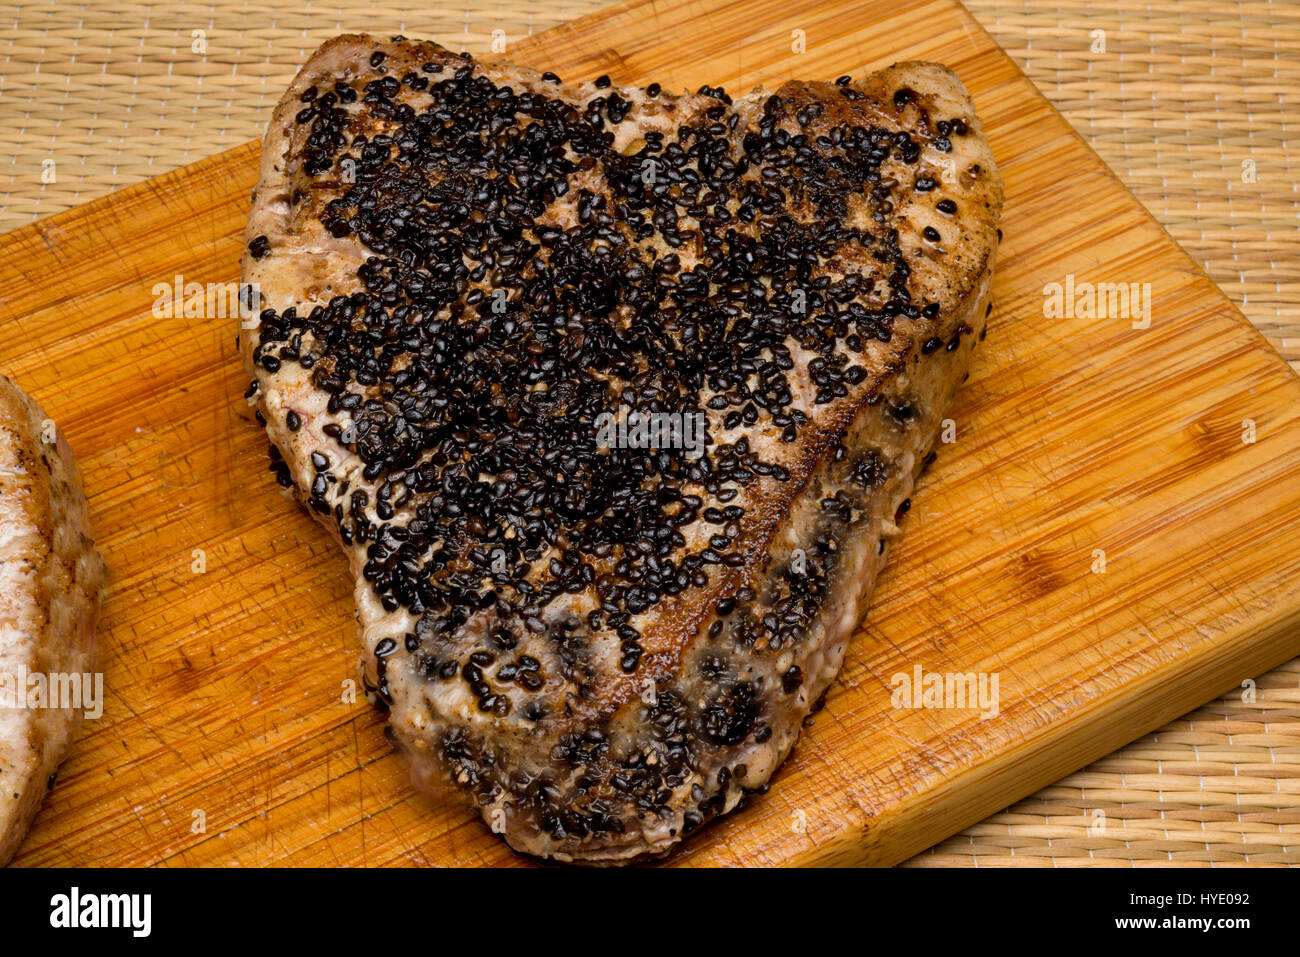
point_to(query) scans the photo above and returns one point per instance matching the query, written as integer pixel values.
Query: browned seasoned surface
(463, 267)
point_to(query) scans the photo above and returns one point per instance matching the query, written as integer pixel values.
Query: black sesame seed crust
(462, 265)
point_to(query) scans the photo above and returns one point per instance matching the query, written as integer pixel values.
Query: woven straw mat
(1188, 102)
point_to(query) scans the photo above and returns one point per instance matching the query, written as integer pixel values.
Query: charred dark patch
(730, 715)
(581, 749)
(870, 470)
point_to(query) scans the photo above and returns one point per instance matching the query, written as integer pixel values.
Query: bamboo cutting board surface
(229, 635)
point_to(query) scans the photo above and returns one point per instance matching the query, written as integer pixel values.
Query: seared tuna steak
(614, 399)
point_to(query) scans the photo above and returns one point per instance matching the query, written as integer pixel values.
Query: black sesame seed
(792, 679)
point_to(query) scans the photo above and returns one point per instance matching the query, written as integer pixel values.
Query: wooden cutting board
(228, 638)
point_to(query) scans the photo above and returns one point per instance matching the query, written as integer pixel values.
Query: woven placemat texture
(115, 92)
(1191, 102)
